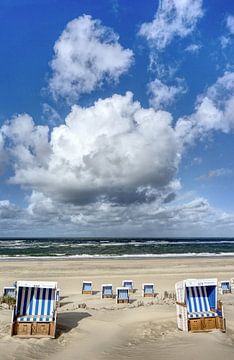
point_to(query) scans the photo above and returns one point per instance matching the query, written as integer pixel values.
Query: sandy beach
(90, 327)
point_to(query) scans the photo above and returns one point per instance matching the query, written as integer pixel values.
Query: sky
(116, 118)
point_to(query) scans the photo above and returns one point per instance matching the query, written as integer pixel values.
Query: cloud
(86, 55)
(213, 112)
(8, 210)
(162, 95)
(174, 18)
(50, 114)
(193, 48)
(46, 216)
(106, 150)
(230, 24)
(216, 173)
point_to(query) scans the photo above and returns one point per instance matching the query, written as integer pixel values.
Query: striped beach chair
(9, 291)
(35, 312)
(128, 284)
(122, 295)
(148, 290)
(87, 288)
(197, 306)
(106, 291)
(225, 287)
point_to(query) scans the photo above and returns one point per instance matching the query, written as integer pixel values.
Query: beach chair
(128, 284)
(148, 290)
(106, 291)
(58, 297)
(9, 291)
(232, 285)
(35, 312)
(197, 306)
(225, 287)
(87, 288)
(122, 295)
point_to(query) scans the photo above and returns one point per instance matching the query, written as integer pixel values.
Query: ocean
(62, 248)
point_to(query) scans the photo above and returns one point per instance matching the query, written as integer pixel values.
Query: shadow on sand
(69, 320)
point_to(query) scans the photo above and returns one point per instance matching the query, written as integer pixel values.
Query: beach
(91, 327)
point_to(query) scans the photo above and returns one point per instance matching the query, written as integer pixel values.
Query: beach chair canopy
(148, 288)
(35, 301)
(87, 285)
(128, 284)
(122, 293)
(107, 289)
(200, 296)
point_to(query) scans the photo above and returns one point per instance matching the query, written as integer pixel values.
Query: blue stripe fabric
(35, 304)
(87, 287)
(148, 289)
(49, 302)
(107, 290)
(122, 294)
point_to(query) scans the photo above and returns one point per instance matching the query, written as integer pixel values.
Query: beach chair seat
(33, 318)
(202, 314)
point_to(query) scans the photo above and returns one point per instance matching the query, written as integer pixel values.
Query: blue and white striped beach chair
(87, 288)
(35, 310)
(128, 284)
(122, 295)
(106, 291)
(197, 306)
(9, 291)
(225, 287)
(148, 290)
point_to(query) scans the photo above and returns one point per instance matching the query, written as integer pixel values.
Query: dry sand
(144, 329)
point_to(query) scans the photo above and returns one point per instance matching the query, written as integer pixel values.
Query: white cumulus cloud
(85, 55)
(115, 149)
(162, 95)
(214, 111)
(174, 18)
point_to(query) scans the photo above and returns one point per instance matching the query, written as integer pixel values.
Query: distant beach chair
(35, 312)
(225, 287)
(148, 290)
(58, 297)
(87, 288)
(197, 306)
(106, 291)
(128, 284)
(122, 295)
(232, 285)
(9, 291)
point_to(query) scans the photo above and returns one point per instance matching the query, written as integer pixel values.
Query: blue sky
(116, 120)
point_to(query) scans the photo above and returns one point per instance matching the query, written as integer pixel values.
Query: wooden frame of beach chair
(9, 291)
(148, 290)
(197, 306)
(122, 295)
(106, 291)
(128, 284)
(225, 287)
(35, 312)
(87, 288)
